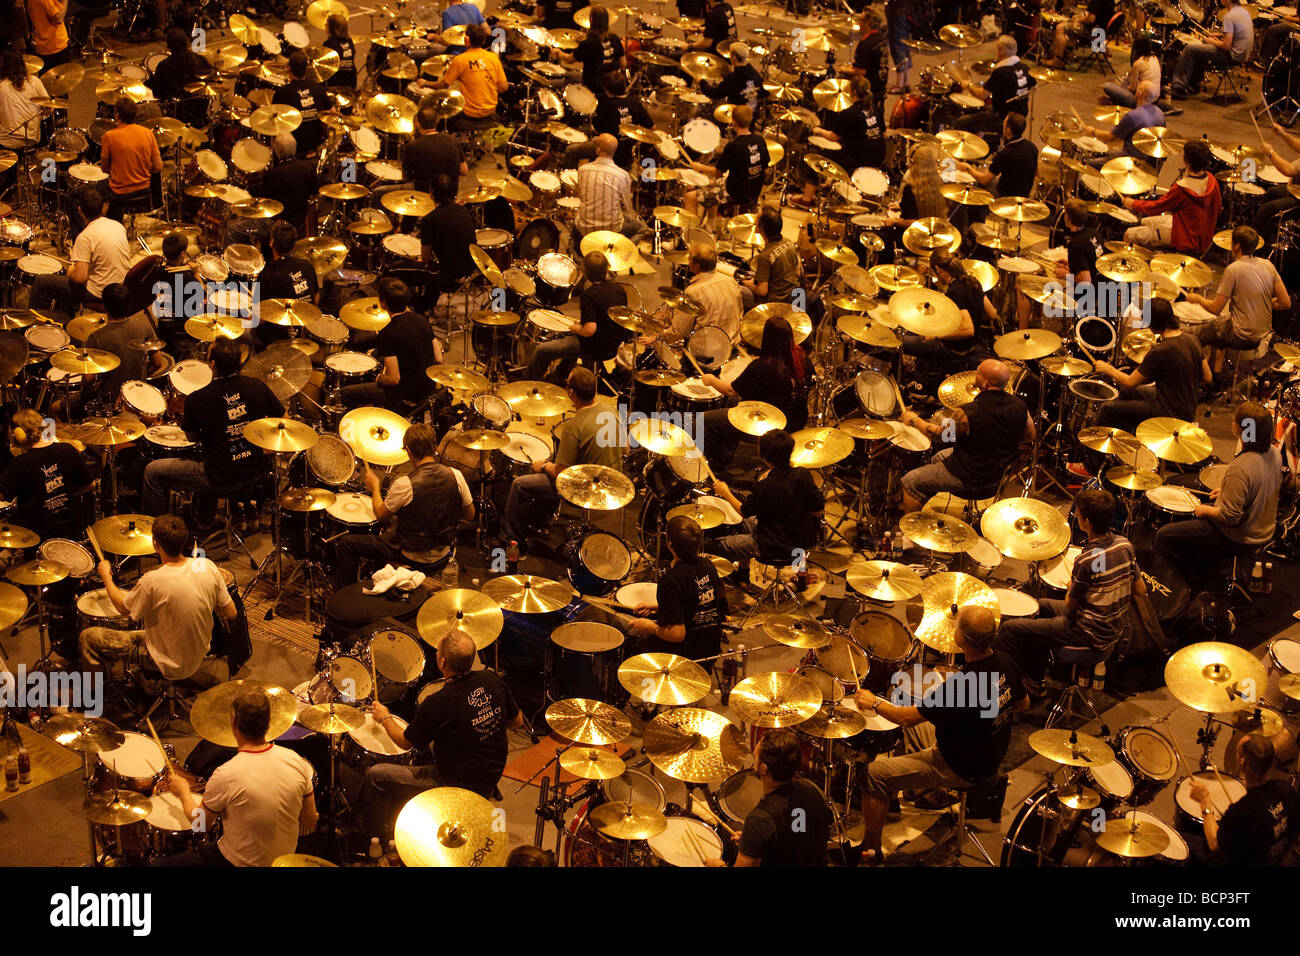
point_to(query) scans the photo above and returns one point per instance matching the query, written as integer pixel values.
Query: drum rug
(534, 758)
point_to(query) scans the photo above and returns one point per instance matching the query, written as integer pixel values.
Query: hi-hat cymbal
(1071, 748)
(1133, 479)
(1027, 344)
(38, 573)
(1173, 439)
(331, 719)
(594, 487)
(210, 327)
(705, 515)
(621, 820)
(661, 437)
(1186, 272)
(792, 631)
(592, 763)
(676, 217)
(755, 418)
(960, 144)
(536, 399)
(408, 202)
(307, 499)
(1019, 209)
(944, 595)
(111, 432)
(1133, 838)
(891, 277)
(834, 722)
(659, 377)
(116, 808)
(882, 580)
(833, 95)
(274, 120)
(1215, 677)
(938, 532)
(618, 249)
(966, 195)
(15, 538)
(836, 252)
(88, 735)
(820, 447)
(458, 378)
(211, 719)
(924, 311)
(371, 222)
(1026, 528)
(1066, 366)
(528, 594)
(364, 315)
(695, 745)
(659, 678)
(84, 361)
(590, 722)
(375, 434)
(775, 699)
(863, 328)
(449, 827)
(280, 434)
(482, 439)
(1108, 441)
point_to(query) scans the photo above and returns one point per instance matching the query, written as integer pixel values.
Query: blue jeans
(171, 474)
(1028, 639)
(528, 495)
(735, 547)
(565, 347)
(1197, 548)
(899, 30)
(1192, 63)
(1120, 94)
(386, 789)
(720, 437)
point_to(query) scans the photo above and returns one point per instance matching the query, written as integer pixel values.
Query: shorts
(921, 768)
(1221, 334)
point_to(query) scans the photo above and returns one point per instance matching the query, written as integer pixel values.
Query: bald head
(1148, 92)
(457, 652)
(606, 145)
(992, 374)
(977, 627)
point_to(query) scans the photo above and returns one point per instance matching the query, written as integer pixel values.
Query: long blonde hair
(923, 176)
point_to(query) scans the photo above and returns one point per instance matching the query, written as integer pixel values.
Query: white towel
(387, 577)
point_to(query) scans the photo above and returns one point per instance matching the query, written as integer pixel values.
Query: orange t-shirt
(131, 154)
(480, 75)
(51, 35)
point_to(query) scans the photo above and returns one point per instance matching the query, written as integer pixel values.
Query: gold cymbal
(331, 719)
(63, 79)
(957, 391)
(1157, 142)
(1066, 366)
(447, 827)
(833, 95)
(274, 119)
(679, 301)
(835, 252)
(460, 609)
(300, 860)
(826, 169)
(13, 605)
(591, 722)
(775, 699)
(211, 719)
(15, 538)
(1131, 182)
(88, 735)
(244, 29)
(944, 595)
(319, 12)
(695, 745)
(228, 57)
(1027, 344)
(1122, 267)
(458, 378)
(938, 532)
(793, 631)
(820, 447)
(1132, 479)
(84, 361)
(755, 418)
(343, 191)
(375, 434)
(1071, 748)
(594, 487)
(659, 678)
(704, 66)
(105, 432)
(592, 763)
(882, 580)
(364, 315)
(1215, 677)
(1026, 528)
(864, 329)
(1173, 439)
(892, 277)
(1131, 838)
(280, 435)
(125, 534)
(960, 144)
(960, 36)
(400, 67)
(288, 313)
(1109, 441)
(307, 499)
(859, 280)
(705, 515)
(834, 722)
(966, 195)
(482, 439)
(845, 661)
(408, 202)
(1019, 209)
(1045, 289)
(1187, 272)
(660, 437)
(676, 217)
(116, 808)
(617, 248)
(390, 113)
(620, 820)
(38, 573)
(753, 322)
(257, 208)
(535, 399)
(924, 311)
(640, 134)
(660, 377)
(207, 328)
(528, 593)
(324, 254)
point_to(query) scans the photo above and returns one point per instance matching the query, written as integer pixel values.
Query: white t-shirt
(103, 244)
(175, 604)
(259, 795)
(15, 107)
(1145, 69)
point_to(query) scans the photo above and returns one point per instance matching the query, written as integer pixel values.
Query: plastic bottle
(898, 547)
(1268, 578)
(24, 766)
(1099, 676)
(727, 675)
(374, 853)
(11, 773)
(1257, 578)
(512, 557)
(887, 547)
(450, 574)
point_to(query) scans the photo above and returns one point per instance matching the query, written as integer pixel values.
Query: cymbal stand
(553, 799)
(1031, 478)
(338, 801)
(279, 549)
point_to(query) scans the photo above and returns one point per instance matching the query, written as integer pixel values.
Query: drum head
(557, 270)
(1094, 390)
(519, 282)
(494, 408)
(587, 637)
(636, 786)
(710, 345)
(876, 394)
(1094, 334)
(397, 656)
(702, 135)
(605, 556)
(331, 460)
(1113, 779)
(353, 507)
(1149, 751)
(739, 794)
(537, 239)
(883, 637)
(70, 554)
(1286, 654)
(635, 595)
(138, 756)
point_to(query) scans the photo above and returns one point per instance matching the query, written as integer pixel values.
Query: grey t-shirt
(1237, 22)
(116, 337)
(1248, 284)
(778, 266)
(1248, 501)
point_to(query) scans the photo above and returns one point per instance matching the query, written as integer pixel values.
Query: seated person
(1186, 217)
(101, 256)
(605, 201)
(783, 514)
(428, 505)
(1006, 91)
(860, 132)
(175, 602)
(1259, 829)
(1013, 170)
(1143, 116)
(286, 276)
(595, 336)
(739, 171)
(407, 348)
(977, 314)
(778, 269)
(122, 328)
(1082, 28)
(1102, 584)
(1279, 200)
(1144, 66)
(983, 439)
(742, 84)
(445, 237)
(1231, 45)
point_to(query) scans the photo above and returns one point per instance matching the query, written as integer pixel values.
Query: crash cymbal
(1019, 209)
(1132, 182)
(319, 12)
(364, 315)
(794, 631)
(211, 717)
(13, 605)
(63, 79)
(288, 313)
(1066, 366)
(695, 745)
(863, 429)
(1215, 677)
(324, 253)
(125, 534)
(1027, 345)
(482, 439)
(458, 378)
(924, 312)
(704, 66)
(444, 103)
(401, 67)
(966, 195)
(835, 252)
(408, 202)
(620, 820)
(944, 595)
(930, 233)
(864, 329)
(257, 208)
(1133, 479)
(594, 487)
(755, 418)
(38, 573)
(640, 134)
(592, 763)
(753, 322)
(664, 679)
(1157, 142)
(111, 432)
(679, 301)
(307, 499)
(449, 827)
(331, 718)
(938, 532)
(1122, 267)
(343, 191)
(536, 399)
(744, 231)
(282, 367)
(706, 516)
(1186, 272)
(280, 435)
(827, 169)
(857, 279)
(460, 609)
(1026, 528)
(660, 377)
(957, 391)
(375, 434)
(833, 95)
(274, 119)
(12, 319)
(228, 57)
(49, 103)
(207, 328)
(882, 580)
(618, 249)
(962, 145)
(1071, 748)
(390, 113)
(528, 594)
(820, 447)
(661, 437)
(87, 735)
(1133, 838)
(1108, 441)
(1173, 439)
(116, 808)
(775, 699)
(84, 361)
(244, 29)
(14, 538)
(590, 722)
(960, 36)
(892, 277)
(834, 722)
(1045, 290)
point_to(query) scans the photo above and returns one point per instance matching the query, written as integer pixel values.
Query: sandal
(899, 90)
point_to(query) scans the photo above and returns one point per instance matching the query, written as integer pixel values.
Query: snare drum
(582, 660)
(348, 368)
(1151, 759)
(890, 647)
(548, 324)
(600, 563)
(47, 338)
(137, 765)
(95, 609)
(145, 400)
(402, 249)
(1112, 781)
(170, 830)
(370, 744)
(1169, 503)
(524, 450)
(398, 661)
(185, 379)
(38, 265)
(1175, 854)
(1014, 603)
(909, 447)
(1056, 576)
(585, 846)
(71, 555)
(693, 396)
(686, 842)
(330, 334)
(546, 187)
(244, 261)
(212, 268)
(1087, 395)
(702, 136)
(496, 243)
(168, 441)
(557, 274)
(982, 559)
(86, 174)
(1225, 790)
(353, 511)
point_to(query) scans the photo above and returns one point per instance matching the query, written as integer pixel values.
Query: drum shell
(357, 754)
(496, 243)
(1020, 846)
(589, 580)
(500, 339)
(337, 376)
(555, 291)
(398, 660)
(584, 846)
(104, 778)
(87, 618)
(889, 646)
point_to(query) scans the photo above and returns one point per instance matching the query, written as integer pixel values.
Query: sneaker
(1036, 689)
(934, 800)
(1078, 469)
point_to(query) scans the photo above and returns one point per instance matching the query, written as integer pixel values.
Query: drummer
(182, 67)
(719, 25)
(1143, 116)
(860, 131)
(43, 478)
(445, 237)
(406, 347)
(286, 276)
(989, 433)
(1187, 215)
(101, 256)
(778, 270)
(428, 504)
(742, 84)
(129, 154)
(1006, 91)
(1014, 168)
(432, 152)
(595, 336)
(1260, 828)
(1230, 46)
(614, 108)
(481, 78)
(605, 196)
(738, 173)
(599, 51)
(715, 292)
(340, 41)
(125, 325)
(20, 120)
(1079, 28)
(935, 353)
(290, 180)
(310, 99)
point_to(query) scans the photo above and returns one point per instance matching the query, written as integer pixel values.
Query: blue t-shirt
(461, 14)
(1140, 117)
(1237, 22)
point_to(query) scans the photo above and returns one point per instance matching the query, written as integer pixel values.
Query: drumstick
(697, 846)
(374, 679)
(154, 734)
(90, 533)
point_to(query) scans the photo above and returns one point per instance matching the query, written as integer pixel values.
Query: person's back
(1238, 20)
(788, 505)
(217, 414)
(585, 440)
(130, 148)
(996, 424)
(1249, 282)
(259, 793)
(1105, 569)
(1260, 829)
(175, 604)
(409, 338)
(448, 232)
(464, 726)
(478, 72)
(116, 337)
(1248, 498)
(770, 834)
(42, 483)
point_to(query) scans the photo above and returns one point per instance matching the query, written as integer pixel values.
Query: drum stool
(961, 831)
(1231, 74)
(1243, 364)
(1065, 707)
(226, 497)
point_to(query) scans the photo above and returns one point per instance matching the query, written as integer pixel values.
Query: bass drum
(584, 846)
(1041, 826)
(537, 239)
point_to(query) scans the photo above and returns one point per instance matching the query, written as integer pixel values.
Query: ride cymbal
(1026, 528)
(1172, 439)
(695, 745)
(775, 699)
(211, 718)
(659, 678)
(944, 595)
(449, 827)
(1215, 677)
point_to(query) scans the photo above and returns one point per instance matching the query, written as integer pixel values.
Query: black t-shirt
(464, 727)
(997, 420)
(173, 74)
(1016, 166)
(789, 827)
(595, 53)
(611, 113)
(41, 483)
(1083, 249)
(311, 100)
(292, 182)
(741, 85)
(690, 594)
(788, 505)
(764, 380)
(719, 24)
(449, 232)
(969, 295)
(557, 13)
(1006, 86)
(409, 337)
(430, 155)
(744, 162)
(216, 415)
(347, 51)
(287, 278)
(869, 56)
(1174, 364)
(594, 305)
(1102, 11)
(971, 730)
(861, 130)
(1259, 828)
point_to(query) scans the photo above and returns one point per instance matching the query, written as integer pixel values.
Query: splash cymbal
(1133, 479)
(364, 315)
(592, 763)
(834, 722)
(89, 735)
(882, 580)
(1109, 441)
(659, 678)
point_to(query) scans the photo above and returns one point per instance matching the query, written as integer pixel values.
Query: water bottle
(1099, 676)
(1257, 578)
(898, 547)
(512, 557)
(727, 675)
(374, 853)
(887, 547)
(451, 574)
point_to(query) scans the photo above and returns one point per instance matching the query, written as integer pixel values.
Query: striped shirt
(604, 191)
(1102, 580)
(720, 296)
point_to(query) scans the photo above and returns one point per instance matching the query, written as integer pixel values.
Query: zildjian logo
(1154, 585)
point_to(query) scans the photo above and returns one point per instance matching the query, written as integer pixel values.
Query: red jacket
(1196, 215)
